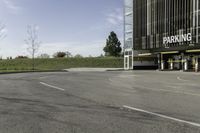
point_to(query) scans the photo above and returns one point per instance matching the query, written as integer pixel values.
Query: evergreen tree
(113, 45)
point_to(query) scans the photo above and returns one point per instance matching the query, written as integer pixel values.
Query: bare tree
(68, 54)
(2, 30)
(33, 42)
(44, 56)
(78, 56)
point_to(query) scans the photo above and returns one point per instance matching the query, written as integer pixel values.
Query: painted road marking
(55, 87)
(43, 77)
(162, 116)
(179, 78)
(127, 76)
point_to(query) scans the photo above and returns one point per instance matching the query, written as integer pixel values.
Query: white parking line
(179, 78)
(162, 116)
(43, 77)
(55, 87)
(127, 76)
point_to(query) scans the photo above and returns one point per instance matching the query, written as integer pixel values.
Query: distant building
(162, 34)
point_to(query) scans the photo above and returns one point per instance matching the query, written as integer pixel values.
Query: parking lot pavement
(100, 102)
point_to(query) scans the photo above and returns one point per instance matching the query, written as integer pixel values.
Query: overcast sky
(77, 26)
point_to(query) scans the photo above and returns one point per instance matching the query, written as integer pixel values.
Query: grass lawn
(18, 65)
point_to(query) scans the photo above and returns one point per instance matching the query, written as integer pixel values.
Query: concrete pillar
(132, 59)
(186, 65)
(159, 62)
(124, 62)
(182, 62)
(162, 63)
(196, 65)
(171, 64)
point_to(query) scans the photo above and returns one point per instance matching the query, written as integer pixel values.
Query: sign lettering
(177, 38)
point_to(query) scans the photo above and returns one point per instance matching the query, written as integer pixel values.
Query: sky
(77, 26)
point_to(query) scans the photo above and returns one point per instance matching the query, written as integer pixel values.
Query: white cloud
(115, 17)
(3, 33)
(12, 6)
(113, 21)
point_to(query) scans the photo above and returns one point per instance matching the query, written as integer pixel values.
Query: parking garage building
(162, 34)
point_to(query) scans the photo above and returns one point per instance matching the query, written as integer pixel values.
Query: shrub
(59, 55)
(21, 57)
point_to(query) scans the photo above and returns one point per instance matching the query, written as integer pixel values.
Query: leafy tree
(21, 57)
(9, 58)
(59, 55)
(113, 45)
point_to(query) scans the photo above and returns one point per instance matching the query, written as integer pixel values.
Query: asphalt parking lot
(100, 102)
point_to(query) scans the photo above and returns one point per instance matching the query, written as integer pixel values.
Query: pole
(159, 62)
(162, 63)
(182, 61)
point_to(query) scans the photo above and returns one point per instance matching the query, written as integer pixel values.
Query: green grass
(17, 65)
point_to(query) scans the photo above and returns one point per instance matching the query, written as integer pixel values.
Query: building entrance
(174, 62)
(128, 59)
(171, 62)
(128, 62)
(185, 62)
(192, 62)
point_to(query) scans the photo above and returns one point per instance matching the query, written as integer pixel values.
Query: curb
(93, 69)
(33, 71)
(115, 70)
